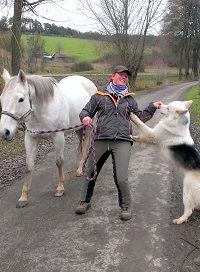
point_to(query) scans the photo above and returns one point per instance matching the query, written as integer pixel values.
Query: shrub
(82, 66)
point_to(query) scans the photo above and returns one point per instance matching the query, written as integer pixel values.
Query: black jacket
(113, 119)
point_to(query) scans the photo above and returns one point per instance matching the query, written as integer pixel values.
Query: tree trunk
(16, 36)
(187, 66)
(181, 63)
(187, 56)
(199, 77)
(195, 64)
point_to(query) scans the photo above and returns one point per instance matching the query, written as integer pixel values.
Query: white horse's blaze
(54, 106)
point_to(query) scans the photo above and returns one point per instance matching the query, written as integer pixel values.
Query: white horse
(42, 104)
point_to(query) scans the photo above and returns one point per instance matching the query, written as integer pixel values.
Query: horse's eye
(21, 99)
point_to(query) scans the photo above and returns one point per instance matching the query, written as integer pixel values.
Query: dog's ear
(181, 111)
(188, 103)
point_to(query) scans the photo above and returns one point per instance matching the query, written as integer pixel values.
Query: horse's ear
(21, 76)
(6, 76)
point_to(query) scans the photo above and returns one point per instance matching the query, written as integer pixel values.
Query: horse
(42, 104)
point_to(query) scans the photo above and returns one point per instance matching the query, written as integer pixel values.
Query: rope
(51, 131)
(92, 152)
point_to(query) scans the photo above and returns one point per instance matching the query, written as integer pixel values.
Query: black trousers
(120, 151)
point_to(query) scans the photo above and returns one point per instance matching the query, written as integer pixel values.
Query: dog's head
(175, 109)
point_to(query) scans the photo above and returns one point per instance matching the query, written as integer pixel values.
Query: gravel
(12, 169)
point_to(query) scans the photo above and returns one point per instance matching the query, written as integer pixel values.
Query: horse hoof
(59, 193)
(21, 204)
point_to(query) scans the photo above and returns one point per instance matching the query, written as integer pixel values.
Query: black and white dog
(172, 135)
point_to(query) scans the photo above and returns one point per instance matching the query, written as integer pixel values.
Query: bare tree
(59, 47)
(182, 24)
(20, 7)
(127, 23)
(16, 36)
(35, 51)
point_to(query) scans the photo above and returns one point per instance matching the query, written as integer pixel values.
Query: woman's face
(120, 79)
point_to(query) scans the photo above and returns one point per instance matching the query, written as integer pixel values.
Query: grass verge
(12, 148)
(193, 95)
(195, 107)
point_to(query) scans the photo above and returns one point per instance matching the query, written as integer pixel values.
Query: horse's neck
(49, 114)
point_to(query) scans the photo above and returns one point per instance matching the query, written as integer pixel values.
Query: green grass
(12, 148)
(193, 95)
(195, 107)
(151, 84)
(83, 50)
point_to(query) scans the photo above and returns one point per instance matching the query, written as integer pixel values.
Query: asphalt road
(47, 235)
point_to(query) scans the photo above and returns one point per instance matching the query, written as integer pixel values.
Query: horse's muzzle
(6, 135)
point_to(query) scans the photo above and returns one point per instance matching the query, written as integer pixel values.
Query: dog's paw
(184, 217)
(135, 138)
(179, 221)
(134, 117)
(139, 139)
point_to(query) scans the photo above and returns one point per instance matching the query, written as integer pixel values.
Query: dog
(172, 136)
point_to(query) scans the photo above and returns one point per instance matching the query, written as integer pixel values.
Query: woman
(113, 106)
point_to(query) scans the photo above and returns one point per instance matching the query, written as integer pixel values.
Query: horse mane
(44, 87)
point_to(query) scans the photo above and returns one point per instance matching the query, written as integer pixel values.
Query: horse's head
(15, 103)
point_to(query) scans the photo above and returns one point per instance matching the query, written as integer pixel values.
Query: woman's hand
(157, 104)
(87, 121)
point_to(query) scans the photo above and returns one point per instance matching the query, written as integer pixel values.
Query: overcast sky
(63, 13)
(67, 13)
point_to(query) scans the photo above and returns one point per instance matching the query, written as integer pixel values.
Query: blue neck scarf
(117, 90)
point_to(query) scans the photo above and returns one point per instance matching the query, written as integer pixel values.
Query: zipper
(108, 145)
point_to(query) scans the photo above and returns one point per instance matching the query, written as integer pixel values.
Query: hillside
(81, 49)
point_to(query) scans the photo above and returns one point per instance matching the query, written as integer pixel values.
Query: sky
(65, 13)
(68, 13)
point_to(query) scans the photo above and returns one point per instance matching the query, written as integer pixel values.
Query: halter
(20, 120)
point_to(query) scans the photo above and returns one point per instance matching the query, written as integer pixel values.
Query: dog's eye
(168, 109)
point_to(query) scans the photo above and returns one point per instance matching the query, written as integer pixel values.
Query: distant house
(61, 58)
(47, 57)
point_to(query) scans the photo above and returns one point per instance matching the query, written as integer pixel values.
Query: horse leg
(31, 145)
(59, 141)
(84, 146)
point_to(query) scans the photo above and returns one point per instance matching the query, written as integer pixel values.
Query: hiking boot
(125, 213)
(82, 207)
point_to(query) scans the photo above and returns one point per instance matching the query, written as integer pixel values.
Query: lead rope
(92, 152)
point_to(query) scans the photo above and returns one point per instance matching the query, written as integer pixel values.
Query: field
(83, 50)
